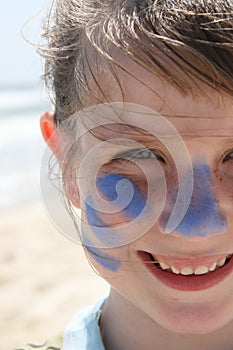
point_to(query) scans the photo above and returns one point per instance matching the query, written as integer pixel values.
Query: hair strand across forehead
(195, 36)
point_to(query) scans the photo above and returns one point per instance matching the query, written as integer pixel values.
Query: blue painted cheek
(107, 261)
(92, 216)
(108, 236)
(203, 216)
(107, 185)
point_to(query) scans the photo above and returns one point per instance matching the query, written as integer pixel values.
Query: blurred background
(44, 277)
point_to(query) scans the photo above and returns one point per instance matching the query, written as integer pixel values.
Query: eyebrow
(195, 116)
(142, 137)
(147, 140)
(226, 143)
(115, 130)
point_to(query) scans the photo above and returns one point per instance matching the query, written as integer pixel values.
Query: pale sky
(19, 61)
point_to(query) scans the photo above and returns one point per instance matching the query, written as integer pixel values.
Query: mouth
(189, 274)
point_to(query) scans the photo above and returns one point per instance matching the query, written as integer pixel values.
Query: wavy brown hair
(164, 36)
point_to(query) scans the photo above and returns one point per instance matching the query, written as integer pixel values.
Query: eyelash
(135, 154)
(228, 157)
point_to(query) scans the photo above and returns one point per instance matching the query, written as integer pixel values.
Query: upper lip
(180, 261)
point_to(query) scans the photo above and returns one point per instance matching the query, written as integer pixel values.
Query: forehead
(143, 85)
(215, 132)
(204, 107)
(202, 112)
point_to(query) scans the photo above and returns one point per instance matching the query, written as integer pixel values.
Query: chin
(195, 319)
(193, 327)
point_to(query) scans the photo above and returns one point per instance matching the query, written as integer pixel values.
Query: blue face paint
(105, 260)
(107, 185)
(203, 216)
(103, 233)
(92, 216)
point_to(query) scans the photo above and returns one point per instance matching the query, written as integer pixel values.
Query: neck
(125, 327)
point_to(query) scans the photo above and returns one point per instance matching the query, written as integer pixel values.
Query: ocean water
(21, 144)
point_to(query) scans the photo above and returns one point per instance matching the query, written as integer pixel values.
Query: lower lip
(187, 283)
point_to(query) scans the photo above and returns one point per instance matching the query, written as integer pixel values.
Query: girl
(142, 132)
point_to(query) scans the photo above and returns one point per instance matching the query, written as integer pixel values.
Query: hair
(163, 36)
(84, 39)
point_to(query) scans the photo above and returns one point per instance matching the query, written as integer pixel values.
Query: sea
(21, 143)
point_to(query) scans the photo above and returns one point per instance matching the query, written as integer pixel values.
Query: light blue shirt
(83, 332)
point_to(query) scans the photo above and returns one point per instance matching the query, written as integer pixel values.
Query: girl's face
(175, 278)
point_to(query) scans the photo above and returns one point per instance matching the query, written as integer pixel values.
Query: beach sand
(44, 278)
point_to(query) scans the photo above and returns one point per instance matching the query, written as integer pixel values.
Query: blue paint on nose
(203, 216)
(107, 185)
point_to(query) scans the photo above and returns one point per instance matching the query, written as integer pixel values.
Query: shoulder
(52, 344)
(83, 331)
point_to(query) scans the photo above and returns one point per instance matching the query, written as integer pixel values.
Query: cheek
(112, 225)
(123, 192)
(92, 238)
(102, 259)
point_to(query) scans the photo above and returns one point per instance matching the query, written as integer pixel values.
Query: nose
(204, 216)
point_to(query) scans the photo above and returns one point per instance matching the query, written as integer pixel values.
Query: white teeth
(186, 271)
(175, 270)
(200, 270)
(213, 267)
(163, 265)
(221, 262)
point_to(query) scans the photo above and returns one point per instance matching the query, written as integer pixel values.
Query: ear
(53, 140)
(49, 133)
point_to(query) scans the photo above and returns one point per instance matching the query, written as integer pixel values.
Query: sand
(44, 278)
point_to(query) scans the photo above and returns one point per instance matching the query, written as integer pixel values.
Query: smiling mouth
(189, 270)
(188, 276)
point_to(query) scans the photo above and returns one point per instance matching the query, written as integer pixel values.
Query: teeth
(175, 270)
(163, 265)
(200, 270)
(221, 262)
(213, 266)
(186, 271)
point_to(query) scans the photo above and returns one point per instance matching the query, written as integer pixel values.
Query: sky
(19, 61)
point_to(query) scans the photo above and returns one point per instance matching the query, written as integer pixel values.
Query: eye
(143, 153)
(228, 156)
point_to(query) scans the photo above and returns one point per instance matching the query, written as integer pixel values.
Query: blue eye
(139, 154)
(228, 156)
